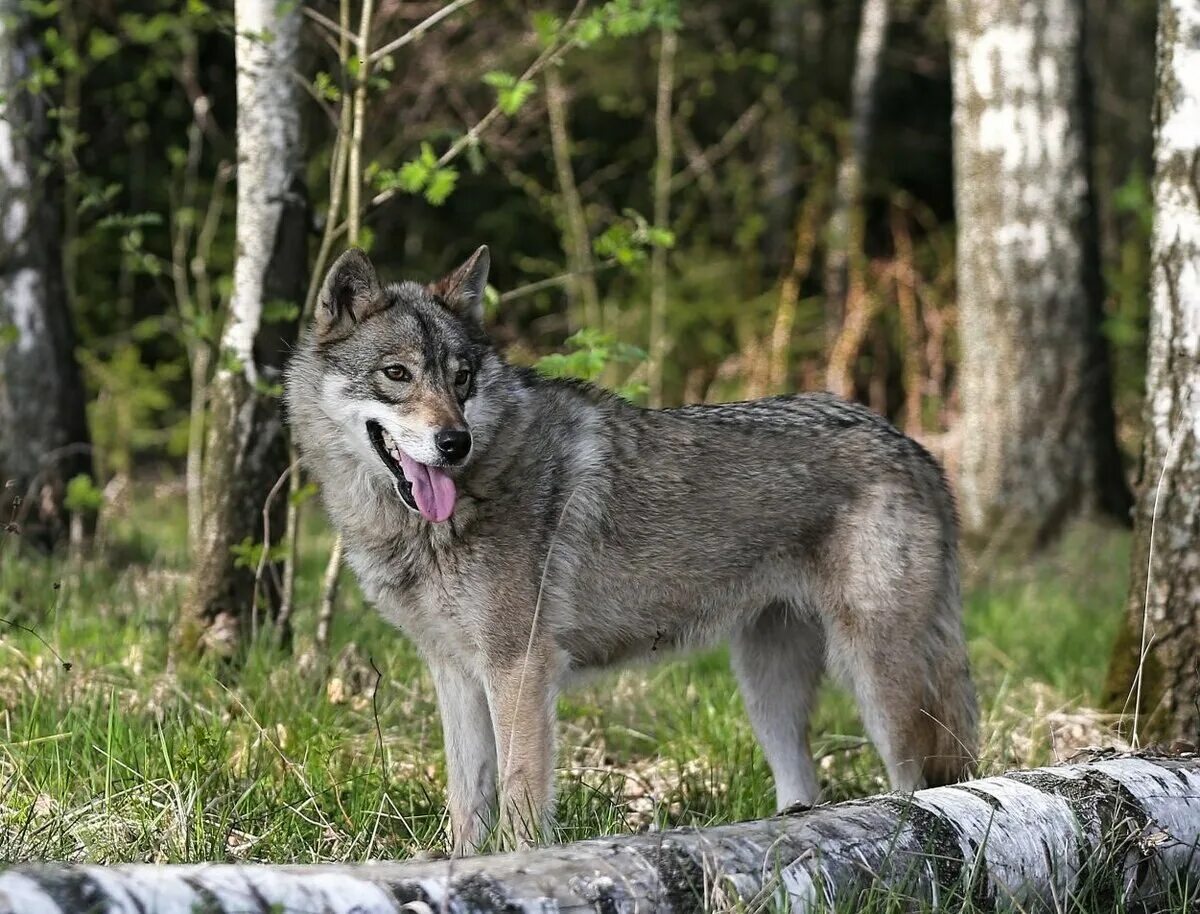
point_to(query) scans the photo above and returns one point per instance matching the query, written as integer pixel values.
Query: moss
(681, 877)
(940, 846)
(1103, 807)
(481, 893)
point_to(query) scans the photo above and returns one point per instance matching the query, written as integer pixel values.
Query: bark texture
(1038, 443)
(787, 105)
(1124, 830)
(847, 309)
(665, 156)
(43, 426)
(247, 450)
(1162, 623)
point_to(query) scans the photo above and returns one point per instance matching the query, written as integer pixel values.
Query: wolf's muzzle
(454, 444)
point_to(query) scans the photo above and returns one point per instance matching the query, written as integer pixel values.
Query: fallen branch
(1126, 828)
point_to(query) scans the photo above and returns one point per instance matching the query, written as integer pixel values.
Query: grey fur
(806, 530)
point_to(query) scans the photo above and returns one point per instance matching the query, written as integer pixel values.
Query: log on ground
(1120, 830)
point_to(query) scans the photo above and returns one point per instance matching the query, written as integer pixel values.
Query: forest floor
(107, 755)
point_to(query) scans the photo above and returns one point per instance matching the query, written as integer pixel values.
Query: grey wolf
(522, 531)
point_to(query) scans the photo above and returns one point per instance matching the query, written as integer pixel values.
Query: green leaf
(511, 99)
(82, 495)
(102, 45)
(280, 311)
(271, 389)
(248, 553)
(326, 88)
(547, 26)
(303, 494)
(9, 334)
(498, 79)
(441, 185)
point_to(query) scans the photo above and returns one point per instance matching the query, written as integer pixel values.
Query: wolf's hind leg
(913, 691)
(778, 659)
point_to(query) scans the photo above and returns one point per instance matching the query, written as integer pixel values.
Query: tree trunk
(847, 310)
(1037, 426)
(782, 140)
(43, 426)
(664, 157)
(1155, 670)
(1121, 831)
(247, 449)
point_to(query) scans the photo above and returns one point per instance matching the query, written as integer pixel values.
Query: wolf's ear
(350, 294)
(462, 290)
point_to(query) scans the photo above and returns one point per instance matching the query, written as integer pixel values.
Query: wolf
(522, 531)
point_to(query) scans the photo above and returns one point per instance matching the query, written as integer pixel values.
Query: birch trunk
(1162, 623)
(847, 311)
(1123, 831)
(247, 449)
(1037, 424)
(43, 427)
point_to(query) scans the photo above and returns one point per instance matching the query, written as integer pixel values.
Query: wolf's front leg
(522, 693)
(470, 755)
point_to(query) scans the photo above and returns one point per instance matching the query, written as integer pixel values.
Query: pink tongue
(432, 489)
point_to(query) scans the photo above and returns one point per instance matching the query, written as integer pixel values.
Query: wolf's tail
(951, 707)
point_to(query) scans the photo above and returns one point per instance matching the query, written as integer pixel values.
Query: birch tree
(246, 452)
(1155, 672)
(1038, 443)
(43, 428)
(848, 309)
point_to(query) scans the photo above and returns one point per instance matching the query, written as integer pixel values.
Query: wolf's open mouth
(389, 452)
(428, 490)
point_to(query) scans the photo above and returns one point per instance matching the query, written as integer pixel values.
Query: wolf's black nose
(453, 443)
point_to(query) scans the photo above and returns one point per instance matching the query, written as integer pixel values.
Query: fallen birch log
(1121, 830)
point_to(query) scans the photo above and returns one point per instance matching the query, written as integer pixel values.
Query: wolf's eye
(462, 377)
(397, 373)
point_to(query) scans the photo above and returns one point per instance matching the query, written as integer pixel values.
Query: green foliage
(326, 88)
(1127, 278)
(249, 553)
(280, 311)
(9, 334)
(134, 409)
(421, 175)
(303, 494)
(627, 18)
(589, 355)
(83, 496)
(629, 241)
(511, 92)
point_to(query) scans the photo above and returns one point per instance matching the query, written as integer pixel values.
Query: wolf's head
(398, 370)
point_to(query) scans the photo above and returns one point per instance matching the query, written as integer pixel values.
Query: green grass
(118, 758)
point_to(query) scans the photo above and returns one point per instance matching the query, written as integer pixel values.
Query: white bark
(1037, 434)
(43, 431)
(268, 132)
(1154, 668)
(845, 224)
(246, 449)
(1025, 840)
